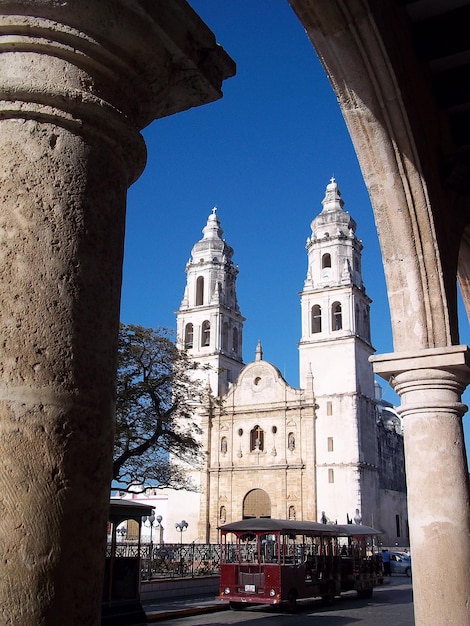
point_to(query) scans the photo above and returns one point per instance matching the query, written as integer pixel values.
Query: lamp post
(181, 527)
(149, 519)
(160, 528)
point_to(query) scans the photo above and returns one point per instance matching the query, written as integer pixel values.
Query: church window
(189, 336)
(291, 441)
(224, 336)
(222, 514)
(331, 475)
(240, 432)
(274, 430)
(200, 291)
(291, 512)
(329, 408)
(257, 439)
(235, 340)
(326, 260)
(223, 445)
(357, 319)
(206, 333)
(330, 444)
(316, 318)
(337, 321)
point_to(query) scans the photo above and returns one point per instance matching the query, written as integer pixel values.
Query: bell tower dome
(334, 303)
(209, 322)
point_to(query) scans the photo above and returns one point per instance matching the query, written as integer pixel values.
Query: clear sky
(263, 155)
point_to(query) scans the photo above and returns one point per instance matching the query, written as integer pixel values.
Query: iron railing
(173, 560)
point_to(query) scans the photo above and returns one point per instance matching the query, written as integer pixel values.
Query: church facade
(330, 450)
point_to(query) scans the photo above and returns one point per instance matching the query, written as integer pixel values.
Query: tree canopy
(157, 394)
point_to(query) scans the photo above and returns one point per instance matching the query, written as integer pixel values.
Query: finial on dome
(259, 351)
(212, 229)
(332, 200)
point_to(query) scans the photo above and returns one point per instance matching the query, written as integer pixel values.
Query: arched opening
(326, 260)
(256, 503)
(206, 333)
(316, 319)
(189, 336)
(256, 438)
(200, 291)
(337, 316)
(225, 336)
(235, 340)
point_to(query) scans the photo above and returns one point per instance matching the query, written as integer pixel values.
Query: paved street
(391, 605)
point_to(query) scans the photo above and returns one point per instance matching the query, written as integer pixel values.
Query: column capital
(105, 70)
(455, 359)
(432, 379)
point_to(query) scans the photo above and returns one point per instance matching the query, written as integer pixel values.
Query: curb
(157, 616)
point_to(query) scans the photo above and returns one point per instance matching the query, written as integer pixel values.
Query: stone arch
(256, 503)
(398, 172)
(403, 134)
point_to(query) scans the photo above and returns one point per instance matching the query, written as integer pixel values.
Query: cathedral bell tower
(335, 348)
(209, 322)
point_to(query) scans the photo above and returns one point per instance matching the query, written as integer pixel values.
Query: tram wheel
(292, 601)
(329, 597)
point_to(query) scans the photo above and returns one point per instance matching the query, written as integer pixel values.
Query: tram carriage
(269, 561)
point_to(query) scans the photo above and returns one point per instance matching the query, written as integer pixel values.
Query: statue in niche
(291, 441)
(223, 445)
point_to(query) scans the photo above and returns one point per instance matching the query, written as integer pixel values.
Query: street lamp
(149, 519)
(122, 532)
(181, 527)
(160, 528)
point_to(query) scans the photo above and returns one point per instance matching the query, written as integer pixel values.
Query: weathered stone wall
(77, 83)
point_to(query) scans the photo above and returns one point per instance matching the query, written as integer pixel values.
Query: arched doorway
(256, 503)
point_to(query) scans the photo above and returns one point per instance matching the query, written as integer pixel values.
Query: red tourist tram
(269, 561)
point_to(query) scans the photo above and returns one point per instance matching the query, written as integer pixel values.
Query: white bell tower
(209, 322)
(334, 348)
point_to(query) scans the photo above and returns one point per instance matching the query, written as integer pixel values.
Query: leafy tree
(157, 393)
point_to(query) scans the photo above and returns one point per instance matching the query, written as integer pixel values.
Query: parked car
(400, 563)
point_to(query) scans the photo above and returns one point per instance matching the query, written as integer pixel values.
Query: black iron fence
(173, 560)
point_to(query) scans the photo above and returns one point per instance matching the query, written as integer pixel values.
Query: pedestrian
(386, 562)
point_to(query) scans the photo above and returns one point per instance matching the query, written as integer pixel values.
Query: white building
(332, 449)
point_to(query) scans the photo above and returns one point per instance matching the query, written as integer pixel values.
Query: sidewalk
(170, 609)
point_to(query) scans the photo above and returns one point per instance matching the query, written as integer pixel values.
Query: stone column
(430, 384)
(78, 80)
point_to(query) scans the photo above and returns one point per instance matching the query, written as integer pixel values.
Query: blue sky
(263, 155)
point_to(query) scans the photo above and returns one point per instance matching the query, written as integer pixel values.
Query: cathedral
(331, 450)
